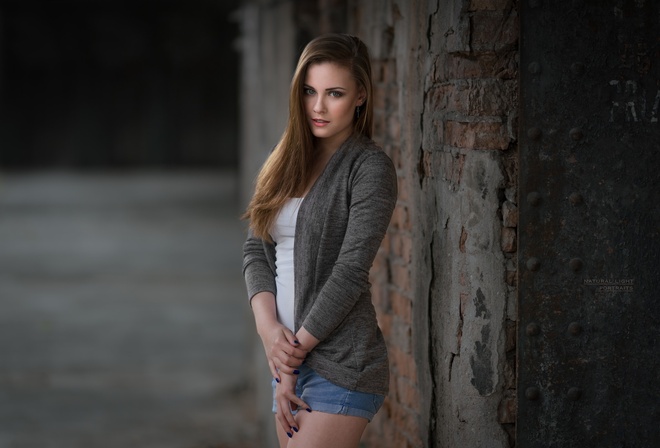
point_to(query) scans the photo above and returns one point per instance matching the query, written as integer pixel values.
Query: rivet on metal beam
(533, 264)
(577, 68)
(534, 198)
(574, 393)
(576, 134)
(574, 328)
(534, 68)
(534, 133)
(576, 198)
(575, 264)
(533, 329)
(532, 393)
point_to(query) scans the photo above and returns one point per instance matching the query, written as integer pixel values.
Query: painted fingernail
(294, 428)
(296, 372)
(309, 410)
(289, 434)
(296, 341)
(277, 380)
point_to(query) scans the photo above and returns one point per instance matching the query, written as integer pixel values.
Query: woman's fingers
(297, 402)
(286, 357)
(285, 418)
(289, 348)
(287, 400)
(284, 414)
(289, 367)
(273, 370)
(291, 338)
(283, 351)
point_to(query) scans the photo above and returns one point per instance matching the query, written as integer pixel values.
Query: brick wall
(444, 280)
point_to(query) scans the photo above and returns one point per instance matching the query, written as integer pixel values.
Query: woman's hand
(287, 400)
(283, 350)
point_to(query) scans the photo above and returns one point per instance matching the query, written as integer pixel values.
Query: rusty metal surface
(589, 253)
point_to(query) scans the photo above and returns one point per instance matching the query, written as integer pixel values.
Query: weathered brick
(394, 127)
(406, 393)
(400, 275)
(508, 239)
(403, 187)
(379, 69)
(452, 164)
(474, 97)
(395, 243)
(398, 158)
(403, 364)
(462, 278)
(502, 65)
(512, 278)
(401, 335)
(464, 298)
(380, 296)
(408, 422)
(507, 409)
(406, 248)
(380, 96)
(462, 239)
(509, 214)
(512, 303)
(511, 335)
(425, 167)
(494, 30)
(401, 218)
(476, 135)
(401, 306)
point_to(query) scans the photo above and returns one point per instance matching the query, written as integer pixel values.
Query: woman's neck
(322, 156)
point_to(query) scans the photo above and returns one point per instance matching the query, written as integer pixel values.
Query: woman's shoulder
(361, 143)
(364, 159)
(359, 148)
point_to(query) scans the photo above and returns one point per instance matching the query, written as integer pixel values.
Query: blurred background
(113, 84)
(122, 307)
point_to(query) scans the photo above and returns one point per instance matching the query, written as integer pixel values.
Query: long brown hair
(287, 170)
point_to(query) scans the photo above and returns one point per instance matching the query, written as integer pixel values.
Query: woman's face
(330, 96)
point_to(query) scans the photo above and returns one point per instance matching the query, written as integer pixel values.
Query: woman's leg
(322, 430)
(281, 434)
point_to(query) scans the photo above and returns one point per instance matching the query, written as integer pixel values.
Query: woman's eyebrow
(305, 86)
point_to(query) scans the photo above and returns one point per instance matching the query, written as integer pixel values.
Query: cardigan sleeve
(373, 195)
(258, 271)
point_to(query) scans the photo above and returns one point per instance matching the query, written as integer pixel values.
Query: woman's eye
(309, 91)
(336, 94)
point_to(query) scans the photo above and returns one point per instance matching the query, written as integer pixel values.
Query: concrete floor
(123, 320)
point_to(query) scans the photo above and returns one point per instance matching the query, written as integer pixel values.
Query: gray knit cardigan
(341, 224)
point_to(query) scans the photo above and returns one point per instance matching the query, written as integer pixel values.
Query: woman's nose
(319, 105)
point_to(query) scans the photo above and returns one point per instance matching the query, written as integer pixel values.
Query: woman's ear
(361, 100)
(362, 97)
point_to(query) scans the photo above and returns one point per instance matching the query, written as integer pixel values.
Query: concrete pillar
(268, 61)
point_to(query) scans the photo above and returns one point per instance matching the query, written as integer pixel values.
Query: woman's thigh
(322, 430)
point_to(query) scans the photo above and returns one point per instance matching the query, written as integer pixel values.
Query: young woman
(321, 207)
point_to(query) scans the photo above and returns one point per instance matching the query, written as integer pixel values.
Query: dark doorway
(118, 84)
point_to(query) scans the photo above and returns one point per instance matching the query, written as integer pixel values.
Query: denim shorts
(323, 396)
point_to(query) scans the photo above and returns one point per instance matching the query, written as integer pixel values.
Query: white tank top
(283, 234)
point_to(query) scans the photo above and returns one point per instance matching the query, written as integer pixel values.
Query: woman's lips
(320, 123)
